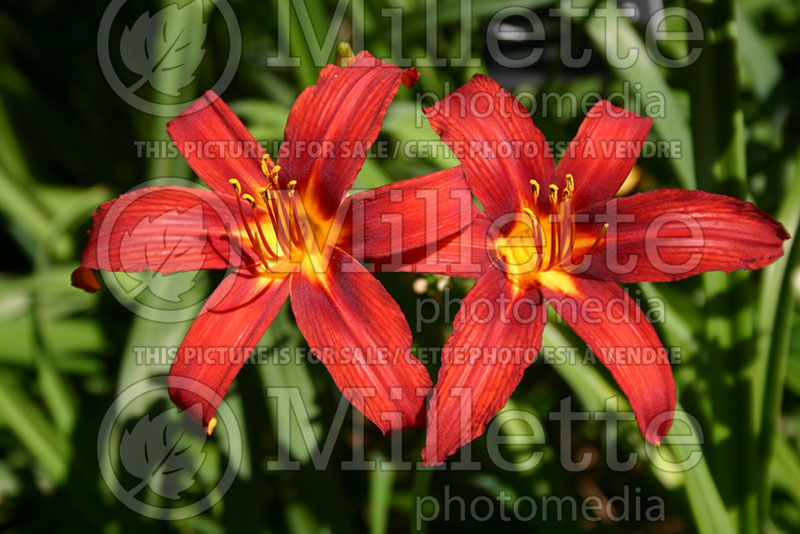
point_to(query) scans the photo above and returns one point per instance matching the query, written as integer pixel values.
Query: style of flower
(287, 229)
(557, 235)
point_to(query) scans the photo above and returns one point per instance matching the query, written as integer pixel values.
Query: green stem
(776, 371)
(719, 149)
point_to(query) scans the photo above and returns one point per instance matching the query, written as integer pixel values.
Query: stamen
(554, 244)
(531, 215)
(265, 165)
(267, 248)
(553, 194)
(269, 200)
(562, 227)
(539, 230)
(567, 223)
(273, 175)
(555, 227)
(277, 223)
(597, 241)
(238, 188)
(297, 231)
(282, 217)
(288, 222)
(570, 188)
(535, 186)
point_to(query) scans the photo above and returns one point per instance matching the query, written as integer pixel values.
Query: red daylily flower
(556, 235)
(286, 230)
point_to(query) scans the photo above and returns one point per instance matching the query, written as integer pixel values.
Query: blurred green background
(68, 143)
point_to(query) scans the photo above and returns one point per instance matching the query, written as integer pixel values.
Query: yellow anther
(236, 185)
(267, 195)
(553, 193)
(292, 184)
(530, 214)
(249, 199)
(273, 175)
(212, 424)
(570, 188)
(570, 183)
(535, 186)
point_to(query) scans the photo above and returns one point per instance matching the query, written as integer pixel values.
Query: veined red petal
(166, 229)
(467, 254)
(672, 234)
(221, 339)
(218, 146)
(603, 152)
(332, 126)
(355, 328)
(385, 222)
(496, 335)
(493, 136)
(619, 334)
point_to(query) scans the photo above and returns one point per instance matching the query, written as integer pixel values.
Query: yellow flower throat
(273, 228)
(540, 242)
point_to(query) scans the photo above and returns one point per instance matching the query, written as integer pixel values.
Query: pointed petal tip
(410, 77)
(419, 421)
(194, 406)
(656, 434)
(783, 233)
(431, 460)
(84, 278)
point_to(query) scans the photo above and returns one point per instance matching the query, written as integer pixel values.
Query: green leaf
(674, 125)
(381, 488)
(29, 424)
(156, 451)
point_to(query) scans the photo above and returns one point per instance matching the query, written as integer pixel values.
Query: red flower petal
(331, 127)
(618, 333)
(84, 278)
(221, 339)
(217, 146)
(410, 214)
(672, 234)
(496, 335)
(603, 152)
(355, 328)
(493, 136)
(467, 254)
(165, 229)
